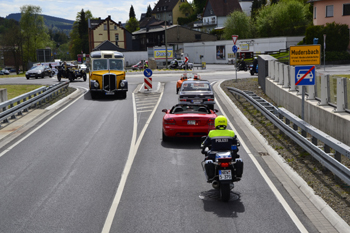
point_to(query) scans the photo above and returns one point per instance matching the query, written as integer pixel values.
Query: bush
(337, 38)
(337, 56)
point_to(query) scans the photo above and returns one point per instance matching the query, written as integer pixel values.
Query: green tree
(149, 11)
(132, 25)
(199, 5)
(287, 18)
(11, 39)
(256, 6)
(186, 9)
(79, 38)
(33, 31)
(132, 12)
(238, 23)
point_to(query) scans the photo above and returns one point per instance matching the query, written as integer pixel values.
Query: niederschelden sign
(305, 55)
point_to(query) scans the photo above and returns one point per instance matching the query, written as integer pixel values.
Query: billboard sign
(160, 53)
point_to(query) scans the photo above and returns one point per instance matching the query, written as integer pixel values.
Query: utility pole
(166, 44)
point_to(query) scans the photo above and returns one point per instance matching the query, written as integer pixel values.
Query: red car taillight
(169, 121)
(183, 100)
(211, 121)
(210, 99)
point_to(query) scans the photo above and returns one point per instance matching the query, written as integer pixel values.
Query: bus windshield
(116, 64)
(99, 64)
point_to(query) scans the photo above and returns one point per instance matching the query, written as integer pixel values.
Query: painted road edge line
(278, 195)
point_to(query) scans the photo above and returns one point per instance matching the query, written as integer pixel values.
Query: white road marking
(145, 104)
(132, 153)
(278, 195)
(145, 111)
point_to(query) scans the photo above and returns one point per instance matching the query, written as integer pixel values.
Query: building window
(157, 8)
(198, 36)
(314, 12)
(104, 26)
(116, 37)
(346, 9)
(211, 12)
(329, 11)
(115, 27)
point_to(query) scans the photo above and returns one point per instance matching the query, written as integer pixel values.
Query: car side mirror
(215, 110)
(164, 110)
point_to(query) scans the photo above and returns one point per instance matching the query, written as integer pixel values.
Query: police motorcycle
(222, 168)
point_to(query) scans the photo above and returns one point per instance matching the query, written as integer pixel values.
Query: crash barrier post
(148, 83)
(276, 71)
(291, 78)
(341, 95)
(3, 95)
(324, 90)
(286, 76)
(281, 73)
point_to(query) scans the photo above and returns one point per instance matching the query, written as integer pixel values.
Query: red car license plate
(191, 122)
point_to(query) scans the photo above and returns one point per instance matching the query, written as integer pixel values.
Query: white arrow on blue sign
(305, 75)
(147, 72)
(234, 49)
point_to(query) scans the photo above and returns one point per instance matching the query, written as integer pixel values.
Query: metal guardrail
(276, 116)
(20, 104)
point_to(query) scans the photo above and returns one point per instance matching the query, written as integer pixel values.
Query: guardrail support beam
(324, 90)
(341, 95)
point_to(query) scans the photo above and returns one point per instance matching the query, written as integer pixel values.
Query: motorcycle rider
(242, 65)
(220, 139)
(176, 63)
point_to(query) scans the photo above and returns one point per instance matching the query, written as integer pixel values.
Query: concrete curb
(335, 220)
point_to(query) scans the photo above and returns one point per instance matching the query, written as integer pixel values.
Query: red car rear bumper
(185, 131)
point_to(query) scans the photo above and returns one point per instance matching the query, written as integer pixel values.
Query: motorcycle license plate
(225, 175)
(191, 122)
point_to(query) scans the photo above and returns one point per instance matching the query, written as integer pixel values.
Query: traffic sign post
(304, 76)
(148, 80)
(186, 60)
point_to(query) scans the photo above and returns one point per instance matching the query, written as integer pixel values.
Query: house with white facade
(215, 14)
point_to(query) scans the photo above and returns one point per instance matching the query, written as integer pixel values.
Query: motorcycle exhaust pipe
(215, 184)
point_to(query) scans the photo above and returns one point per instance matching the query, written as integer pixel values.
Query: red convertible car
(188, 120)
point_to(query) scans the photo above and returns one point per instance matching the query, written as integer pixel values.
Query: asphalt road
(101, 166)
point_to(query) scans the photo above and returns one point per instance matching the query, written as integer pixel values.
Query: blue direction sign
(234, 49)
(305, 75)
(147, 72)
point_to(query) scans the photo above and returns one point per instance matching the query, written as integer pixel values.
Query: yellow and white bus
(107, 74)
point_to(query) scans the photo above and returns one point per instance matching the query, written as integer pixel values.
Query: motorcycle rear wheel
(225, 192)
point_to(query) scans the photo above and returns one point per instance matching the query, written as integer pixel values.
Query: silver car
(197, 92)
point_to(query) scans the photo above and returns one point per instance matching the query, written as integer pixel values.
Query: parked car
(197, 92)
(39, 72)
(139, 66)
(187, 120)
(5, 71)
(2, 72)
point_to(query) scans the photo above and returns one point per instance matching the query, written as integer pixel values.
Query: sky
(117, 9)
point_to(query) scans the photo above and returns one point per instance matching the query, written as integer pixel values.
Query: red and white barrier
(148, 83)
